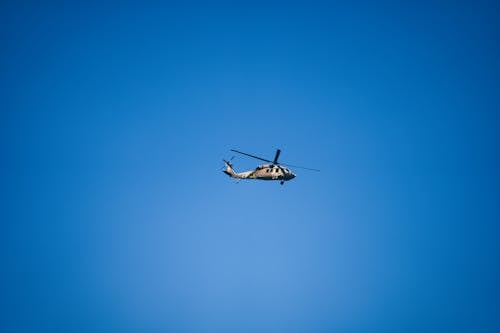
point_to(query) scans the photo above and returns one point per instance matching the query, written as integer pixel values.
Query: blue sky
(116, 215)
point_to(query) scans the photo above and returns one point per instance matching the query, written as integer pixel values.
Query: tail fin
(229, 169)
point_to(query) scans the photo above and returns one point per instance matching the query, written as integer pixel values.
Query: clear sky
(116, 217)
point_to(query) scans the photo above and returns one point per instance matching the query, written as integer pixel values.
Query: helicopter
(272, 171)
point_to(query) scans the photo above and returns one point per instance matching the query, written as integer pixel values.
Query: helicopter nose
(292, 175)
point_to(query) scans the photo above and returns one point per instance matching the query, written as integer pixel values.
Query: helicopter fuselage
(271, 172)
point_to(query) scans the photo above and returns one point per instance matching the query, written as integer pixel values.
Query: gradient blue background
(116, 217)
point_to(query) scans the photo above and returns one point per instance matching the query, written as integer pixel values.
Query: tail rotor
(228, 162)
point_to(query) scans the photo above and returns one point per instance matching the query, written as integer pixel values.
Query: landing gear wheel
(282, 182)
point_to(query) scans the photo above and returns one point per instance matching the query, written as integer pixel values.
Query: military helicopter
(272, 171)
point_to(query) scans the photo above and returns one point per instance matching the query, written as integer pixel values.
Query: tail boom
(233, 174)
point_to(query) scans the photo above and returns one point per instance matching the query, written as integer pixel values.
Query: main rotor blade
(300, 167)
(257, 157)
(276, 156)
